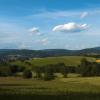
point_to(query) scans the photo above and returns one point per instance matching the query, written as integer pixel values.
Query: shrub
(38, 70)
(5, 71)
(27, 73)
(63, 70)
(49, 74)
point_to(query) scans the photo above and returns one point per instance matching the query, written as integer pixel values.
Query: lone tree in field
(85, 67)
(63, 69)
(95, 70)
(27, 73)
(49, 73)
(14, 69)
(38, 70)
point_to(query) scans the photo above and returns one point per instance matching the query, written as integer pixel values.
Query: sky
(49, 24)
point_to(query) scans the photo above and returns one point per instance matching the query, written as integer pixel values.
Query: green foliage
(62, 65)
(14, 69)
(38, 70)
(84, 67)
(49, 73)
(5, 71)
(87, 68)
(27, 73)
(63, 69)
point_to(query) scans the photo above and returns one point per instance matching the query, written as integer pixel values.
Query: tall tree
(49, 73)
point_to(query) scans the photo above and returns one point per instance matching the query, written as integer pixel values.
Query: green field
(68, 60)
(60, 89)
(72, 88)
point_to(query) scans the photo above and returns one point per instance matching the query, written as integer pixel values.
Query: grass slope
(68, 60)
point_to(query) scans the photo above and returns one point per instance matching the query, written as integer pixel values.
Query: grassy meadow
(59, 89)
(73, 87)
(67, 60)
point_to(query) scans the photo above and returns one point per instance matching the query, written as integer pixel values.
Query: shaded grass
(75, 88)
(67, 96)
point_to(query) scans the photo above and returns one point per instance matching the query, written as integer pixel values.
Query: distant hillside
(35, 53)
(67, 60)
(48, 52)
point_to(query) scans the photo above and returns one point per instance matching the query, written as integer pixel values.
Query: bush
(5, 71)
(27, 73)
(87, 68)
(14, 69)
(38, 70)
(84, 67)
(49, 74)
(63, 69)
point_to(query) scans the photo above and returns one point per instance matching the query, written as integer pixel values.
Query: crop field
(68, 60)
(59, 89)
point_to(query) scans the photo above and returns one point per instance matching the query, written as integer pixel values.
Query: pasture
(73, 87)
(12, 88)
(67, 60)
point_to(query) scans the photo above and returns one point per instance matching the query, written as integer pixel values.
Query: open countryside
(49, 49)
(64, 84)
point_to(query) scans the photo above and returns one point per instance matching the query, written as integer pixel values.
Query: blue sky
(49, 24)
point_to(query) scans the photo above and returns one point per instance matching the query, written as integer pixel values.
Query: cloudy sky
(49, 24)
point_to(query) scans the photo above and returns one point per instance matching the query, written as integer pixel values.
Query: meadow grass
(67, 60)
(73, 88)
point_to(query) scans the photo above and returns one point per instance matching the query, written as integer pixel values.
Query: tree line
(47, 72)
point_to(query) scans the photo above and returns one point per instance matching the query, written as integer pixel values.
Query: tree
(38, 70)
(5, 71)
(84, 67)
(49, 74)
(98, 67)
(63, 69)
(14, 69)
(27, 73)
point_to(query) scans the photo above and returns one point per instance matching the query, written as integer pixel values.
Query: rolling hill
(48, 52)
(67, 60)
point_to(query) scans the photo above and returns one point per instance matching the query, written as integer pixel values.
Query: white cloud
(22, 46)
(70, 27)
(34, 30)
(43, 41)
(84, 14)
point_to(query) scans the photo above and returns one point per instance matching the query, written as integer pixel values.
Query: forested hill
(48, 52)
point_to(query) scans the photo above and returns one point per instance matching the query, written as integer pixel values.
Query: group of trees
(7, 69)
(87, 68)
(47, 72)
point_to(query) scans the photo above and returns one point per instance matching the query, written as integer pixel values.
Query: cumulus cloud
(84, 14)
(70, 27)
(34, 30)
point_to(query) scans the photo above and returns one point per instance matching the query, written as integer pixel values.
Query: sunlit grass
(68, 60)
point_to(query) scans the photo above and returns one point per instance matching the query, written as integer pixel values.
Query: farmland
(61, 88)
(67, 60)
